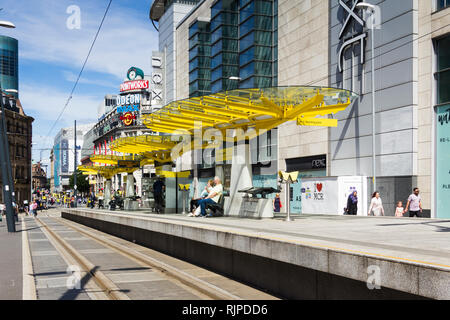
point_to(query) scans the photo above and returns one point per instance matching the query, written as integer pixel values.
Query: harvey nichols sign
(351, 9)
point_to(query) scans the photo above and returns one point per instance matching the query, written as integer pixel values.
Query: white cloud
(122, 42)
(72, 77)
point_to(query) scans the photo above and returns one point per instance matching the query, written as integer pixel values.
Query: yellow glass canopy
(252, 110)
(111, 159)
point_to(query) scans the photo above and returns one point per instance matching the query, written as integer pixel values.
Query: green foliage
(82, 182)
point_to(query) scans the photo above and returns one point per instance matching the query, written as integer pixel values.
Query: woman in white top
(376, 206)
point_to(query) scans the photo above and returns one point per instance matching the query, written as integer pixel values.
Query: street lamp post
(371, 8)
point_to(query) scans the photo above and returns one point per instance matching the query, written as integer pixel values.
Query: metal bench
(263, 191)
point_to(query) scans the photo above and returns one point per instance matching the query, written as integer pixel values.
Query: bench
(255, 191)
(216, 209)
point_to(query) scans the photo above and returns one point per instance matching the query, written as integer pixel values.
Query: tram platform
(312, 257)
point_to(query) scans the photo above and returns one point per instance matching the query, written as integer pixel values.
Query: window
(441, 4)
(443, 70)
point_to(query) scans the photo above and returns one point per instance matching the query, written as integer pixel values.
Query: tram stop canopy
(253, 111)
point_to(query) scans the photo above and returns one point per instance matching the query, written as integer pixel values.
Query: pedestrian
(35, 207)
(414, 204)
(213, 197)
(25, 207)
(2, 210)
(203, 195)
(399, 210)
(376, 205)
(352, 204)
(158, 188)
(100, 199)
(277, 203)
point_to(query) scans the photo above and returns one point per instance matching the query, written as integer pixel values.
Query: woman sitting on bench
(204, 194)
(213, 197)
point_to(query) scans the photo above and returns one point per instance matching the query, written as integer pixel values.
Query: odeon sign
(128, 103)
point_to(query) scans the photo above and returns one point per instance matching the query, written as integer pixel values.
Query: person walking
(414, 204)
(158, 188)
(35, 207)
(376, 205)
(352, 204)
(100, 199)
(277, 203)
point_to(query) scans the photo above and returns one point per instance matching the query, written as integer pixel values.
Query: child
(399, 210)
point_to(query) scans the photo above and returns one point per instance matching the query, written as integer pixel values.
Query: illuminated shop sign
(128, 118)
(134, 85)
(128, 103)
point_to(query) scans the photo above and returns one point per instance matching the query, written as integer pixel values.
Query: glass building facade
(9, 63)
(237, 48)
(199, 59)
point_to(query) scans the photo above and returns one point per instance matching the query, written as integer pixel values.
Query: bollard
(287, 179)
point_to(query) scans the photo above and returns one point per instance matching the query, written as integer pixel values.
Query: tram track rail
(199, 287)
(108, 287)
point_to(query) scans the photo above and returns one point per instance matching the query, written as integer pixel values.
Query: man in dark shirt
(158, 188)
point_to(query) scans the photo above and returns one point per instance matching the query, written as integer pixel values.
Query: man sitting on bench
(213, 196)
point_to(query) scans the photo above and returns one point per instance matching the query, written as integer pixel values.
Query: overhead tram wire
(81, 71)
(379, 55)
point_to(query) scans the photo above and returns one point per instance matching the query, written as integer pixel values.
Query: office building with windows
(9, 64)
(223, 45)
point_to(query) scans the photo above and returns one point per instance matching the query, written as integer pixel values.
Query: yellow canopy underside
(253, 110)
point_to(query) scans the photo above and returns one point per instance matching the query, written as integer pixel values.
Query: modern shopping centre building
(214, 46)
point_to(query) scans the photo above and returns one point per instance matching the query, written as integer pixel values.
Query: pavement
(10, 262)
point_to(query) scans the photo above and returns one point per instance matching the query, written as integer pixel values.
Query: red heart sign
(319, 187)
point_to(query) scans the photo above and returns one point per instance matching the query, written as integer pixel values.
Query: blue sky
(51, 56)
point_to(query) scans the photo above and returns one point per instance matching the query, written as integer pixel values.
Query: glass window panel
(262, 82)
(216, 48)
(193, 53)
(193, 75)
(247, 71)
(247, 41)
(216, 86)
(246, 12)
(204, 50)
(216, 74)
(441, 4)
(263, 68)
(231, 5)
(263, 7)
(230, 31)
(230, 58)
(263, 38)
(443, 87)
(205, 62)
(444, 53)
(216, 61)
(216, 35)
(247, 26)
(246, 84)
(263, 53)
(263, 23)
(247, 56)
(216, 8)
(193, 29)
(230, 45)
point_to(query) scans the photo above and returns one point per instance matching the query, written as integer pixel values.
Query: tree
(82, 182)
